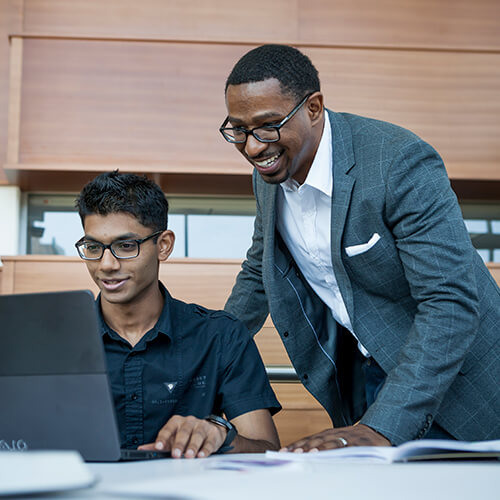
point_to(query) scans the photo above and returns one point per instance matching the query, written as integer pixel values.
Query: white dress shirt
(303, 220)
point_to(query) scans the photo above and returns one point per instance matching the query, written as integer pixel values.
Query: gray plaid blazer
(420, 299)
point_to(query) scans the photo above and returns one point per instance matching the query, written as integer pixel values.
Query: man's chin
(114, 298)
(275, 178)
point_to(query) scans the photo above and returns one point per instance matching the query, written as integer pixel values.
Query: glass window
(483, 223)
(204, 227)
(219, 236)
(53, 225)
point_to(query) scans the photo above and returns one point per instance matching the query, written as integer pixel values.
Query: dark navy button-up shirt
(194, 361)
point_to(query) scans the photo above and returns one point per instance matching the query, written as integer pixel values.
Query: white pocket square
(359, 249)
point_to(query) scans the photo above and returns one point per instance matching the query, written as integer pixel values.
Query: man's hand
(354, 435)
(189, 437)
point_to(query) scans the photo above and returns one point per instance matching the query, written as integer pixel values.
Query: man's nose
(109, 261)
(253, 147)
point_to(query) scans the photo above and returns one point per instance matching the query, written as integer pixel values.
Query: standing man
(174, 368)
(361, 256)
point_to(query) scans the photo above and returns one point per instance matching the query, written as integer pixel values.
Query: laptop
(54, 389)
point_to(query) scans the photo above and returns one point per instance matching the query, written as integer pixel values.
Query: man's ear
(315, 107)
(165, 245)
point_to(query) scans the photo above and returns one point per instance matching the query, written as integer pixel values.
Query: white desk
(195, 479)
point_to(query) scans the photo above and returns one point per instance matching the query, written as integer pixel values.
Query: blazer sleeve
(437, 256)
(247, 300)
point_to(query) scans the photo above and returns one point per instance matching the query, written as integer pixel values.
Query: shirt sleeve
(244, 385)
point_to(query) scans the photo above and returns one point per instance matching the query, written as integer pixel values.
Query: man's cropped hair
(115, 192)
(293, 69)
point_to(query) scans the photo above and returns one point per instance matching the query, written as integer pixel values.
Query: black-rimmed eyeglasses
(121, 249)
(266, 133)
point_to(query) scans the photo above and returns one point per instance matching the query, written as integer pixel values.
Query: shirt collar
(320, 174)
(163, 326)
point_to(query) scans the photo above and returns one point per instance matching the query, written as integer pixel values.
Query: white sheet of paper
(30, 472)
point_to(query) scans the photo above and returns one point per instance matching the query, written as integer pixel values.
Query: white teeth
(268, 162)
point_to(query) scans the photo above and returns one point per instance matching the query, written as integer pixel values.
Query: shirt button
(133, 397)
(135, 441)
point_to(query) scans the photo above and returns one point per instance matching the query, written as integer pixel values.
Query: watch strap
(230, 428)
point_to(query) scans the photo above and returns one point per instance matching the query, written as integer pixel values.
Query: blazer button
(305, 376)
(285, 334)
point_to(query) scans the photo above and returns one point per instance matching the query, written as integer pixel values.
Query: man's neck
(133, 320)
(301, 177)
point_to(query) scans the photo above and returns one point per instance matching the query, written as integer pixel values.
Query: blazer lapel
(343, 161)
(266, 196)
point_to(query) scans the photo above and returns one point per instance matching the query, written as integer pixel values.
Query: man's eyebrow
(262, 117)
(126, 236)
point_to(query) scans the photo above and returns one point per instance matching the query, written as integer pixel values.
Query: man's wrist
(231, 431)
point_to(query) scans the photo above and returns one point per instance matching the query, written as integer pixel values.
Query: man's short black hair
(293, 69)
(115, 192)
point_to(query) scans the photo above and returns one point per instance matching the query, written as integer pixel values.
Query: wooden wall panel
(495, 271)
(301, 416)
(140, 105)
(90, 104)
(10, 20)
(401, 23)
(293, 425)
(270, 346)
(205, 282)
(186, 20)
(152, 106)
(394, 23)
(451, 100)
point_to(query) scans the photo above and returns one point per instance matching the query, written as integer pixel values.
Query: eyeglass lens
(121, 249)
(264, 134)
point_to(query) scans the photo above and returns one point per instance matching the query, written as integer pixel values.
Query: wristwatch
(231, 431)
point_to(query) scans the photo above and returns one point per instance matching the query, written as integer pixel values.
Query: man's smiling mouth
(112, 284)
(268, 161)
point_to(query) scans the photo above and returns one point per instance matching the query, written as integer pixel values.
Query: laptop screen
(53, 383)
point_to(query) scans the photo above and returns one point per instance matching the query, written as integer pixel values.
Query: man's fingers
(306, 443)
(318, 443)
(148, 446)
(205, 439)
(164, 437)
(189, 437)
(357, 435)
(213, 441)
(182, 437)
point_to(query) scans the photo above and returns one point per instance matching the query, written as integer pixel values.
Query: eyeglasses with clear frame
(266, 133)
(121, 249)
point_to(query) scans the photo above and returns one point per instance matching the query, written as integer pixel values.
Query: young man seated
(174, 368)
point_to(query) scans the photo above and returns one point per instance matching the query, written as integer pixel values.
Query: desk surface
(209, 479)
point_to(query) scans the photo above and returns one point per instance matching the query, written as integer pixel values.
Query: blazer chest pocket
(354, 250)
(375, 265)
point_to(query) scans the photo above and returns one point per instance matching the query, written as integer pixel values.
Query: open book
(424, 449)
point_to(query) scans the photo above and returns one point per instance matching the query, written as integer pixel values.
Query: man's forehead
(259, 100)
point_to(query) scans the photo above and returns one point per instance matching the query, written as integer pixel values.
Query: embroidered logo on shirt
(170, 386)
(199, 382)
